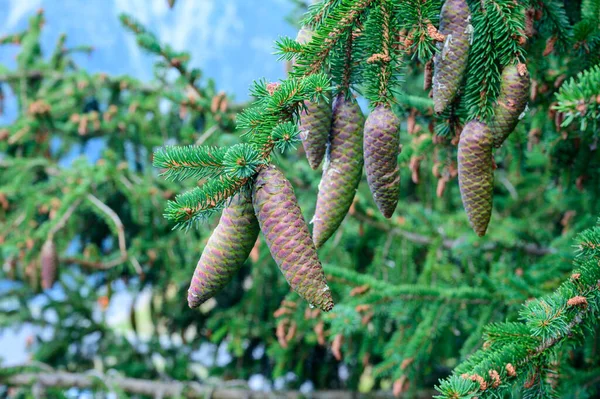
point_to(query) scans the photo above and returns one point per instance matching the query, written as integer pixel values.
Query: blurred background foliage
(413, 293)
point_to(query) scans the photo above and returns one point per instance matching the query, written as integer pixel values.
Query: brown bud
(336, 346)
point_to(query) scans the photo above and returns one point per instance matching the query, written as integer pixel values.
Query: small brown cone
(49, 264)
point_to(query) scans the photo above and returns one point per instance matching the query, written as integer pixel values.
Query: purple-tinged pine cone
(381, 144)
(226, 251)
(476, 174)
(511, 103)
(342, 169)
(315, 124)
(451, 60)
(288, 238)
(48, 264)
(315, 121)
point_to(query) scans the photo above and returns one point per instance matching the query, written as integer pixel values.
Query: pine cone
(476, 174)
(451, 59)
(315, 121)
(226, 251)
(511, 102)
(48, 264)
(381, 143)
(288, 238)
(315, 124)
(342, 170)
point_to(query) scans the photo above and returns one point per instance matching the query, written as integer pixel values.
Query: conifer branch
(529, 248)
(579, 98)
(550, 321)
(381, 292)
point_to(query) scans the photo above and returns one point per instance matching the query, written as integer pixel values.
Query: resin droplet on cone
(315, 121)
(381, 143)
(48, 264)
(451, 60)
(288, 238)
(511, 102)
(476, 174)
(342, 170)
(226, 251)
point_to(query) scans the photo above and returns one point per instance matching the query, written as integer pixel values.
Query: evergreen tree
(506, 147)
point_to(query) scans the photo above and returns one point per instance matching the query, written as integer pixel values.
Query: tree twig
(121, 239)
(61, 223)
(116, 220)
(176, 388)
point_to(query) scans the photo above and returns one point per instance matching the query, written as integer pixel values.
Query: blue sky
(230, 39)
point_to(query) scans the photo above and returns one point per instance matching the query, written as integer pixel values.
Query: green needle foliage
(422, 303)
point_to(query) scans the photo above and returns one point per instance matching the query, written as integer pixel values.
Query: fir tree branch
(341, 19)
(579, 98)
(383, 292)
(530, 248)
(515, 351)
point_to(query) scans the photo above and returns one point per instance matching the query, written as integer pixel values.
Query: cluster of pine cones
(339, 136)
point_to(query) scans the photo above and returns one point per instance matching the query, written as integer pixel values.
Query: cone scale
(226, 251)
(288, 238)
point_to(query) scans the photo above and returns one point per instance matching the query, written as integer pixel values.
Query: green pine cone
(48, 264)
(342, 170)
(226, 251)
(315, 124)
(451, 60)
(476, 174)
(381, 144)
(288, 238)
(511, 102)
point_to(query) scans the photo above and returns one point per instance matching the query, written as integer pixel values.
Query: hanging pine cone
(511, 102)
(288, 238)
(381, 145)
(342, 170)
(451, 59)
(476, 174)
(315, 121)
(227, 249)
(315, 124)
(48, 264)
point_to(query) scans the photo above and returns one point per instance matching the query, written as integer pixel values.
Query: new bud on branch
(476, 174)
(511, 103)
(381, 145)
(226, 251)
(451, 60)
(288, 238)
(342, 170)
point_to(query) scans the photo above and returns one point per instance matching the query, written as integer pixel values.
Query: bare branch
(175, 388)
